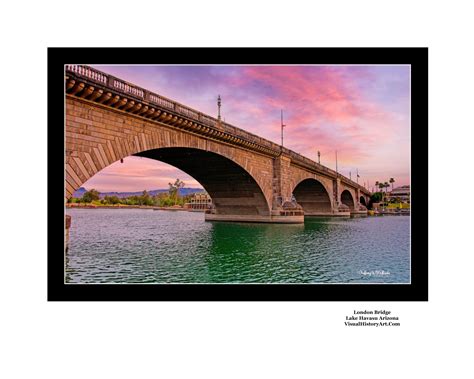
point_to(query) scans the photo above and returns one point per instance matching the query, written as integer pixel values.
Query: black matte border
(416, 291)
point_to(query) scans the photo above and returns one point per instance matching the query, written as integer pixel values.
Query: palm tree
(381, 189)
(386, 185)
(392, 181)
(377, 184)
(381, 186)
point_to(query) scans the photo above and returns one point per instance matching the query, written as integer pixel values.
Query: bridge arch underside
(232, 189)
(362, 201)
(313, 198)
(348, 199)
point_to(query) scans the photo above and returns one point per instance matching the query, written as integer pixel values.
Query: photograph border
(417, 290)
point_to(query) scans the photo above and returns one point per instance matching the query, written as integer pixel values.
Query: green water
(146, 246)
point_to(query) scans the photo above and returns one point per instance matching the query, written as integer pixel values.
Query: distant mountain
(182, 191)
(80, 192)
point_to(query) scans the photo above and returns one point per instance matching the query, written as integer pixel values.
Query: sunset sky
(363, 112)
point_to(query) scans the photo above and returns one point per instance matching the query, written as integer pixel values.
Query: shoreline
(149, 207)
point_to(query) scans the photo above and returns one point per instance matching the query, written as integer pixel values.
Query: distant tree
(91, 195)
(146, 199)
(391, 182)
(127, 201)
(376, 197)
(166, 202)
(386, 185)
(133, 200)
(112, 199)
(174, 189)
(158, 198)
(381, 187)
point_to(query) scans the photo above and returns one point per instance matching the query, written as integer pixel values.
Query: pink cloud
(323, 107)
(137, 174)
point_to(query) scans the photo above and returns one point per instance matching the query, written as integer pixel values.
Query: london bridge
(248, 177)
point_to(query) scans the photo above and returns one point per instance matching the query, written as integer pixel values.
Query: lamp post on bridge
(219, 108)
(282, 126)
(319, 157)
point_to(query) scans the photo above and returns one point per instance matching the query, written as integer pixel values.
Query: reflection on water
(145, 246)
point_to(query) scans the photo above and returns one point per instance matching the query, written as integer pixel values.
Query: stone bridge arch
(239, 181)
(234, 191)
(348, 198)
(313, 196)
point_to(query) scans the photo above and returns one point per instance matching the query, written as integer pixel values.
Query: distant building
(199, 201)
(400, 194)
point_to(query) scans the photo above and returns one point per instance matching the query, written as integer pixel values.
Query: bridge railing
(187, 112)
(158, 100)
(88, 72)
(308, 162)
(250, 136)
(207, 120)
(190, 113)
(128, 88)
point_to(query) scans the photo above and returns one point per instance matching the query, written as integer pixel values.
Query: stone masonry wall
(97, 136)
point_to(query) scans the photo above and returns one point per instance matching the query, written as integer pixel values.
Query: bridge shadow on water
(269, 253)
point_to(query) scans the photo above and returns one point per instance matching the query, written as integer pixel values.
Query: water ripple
(139, 246)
